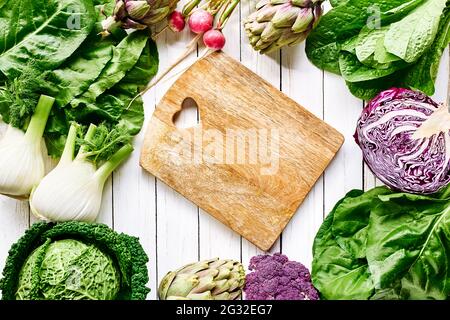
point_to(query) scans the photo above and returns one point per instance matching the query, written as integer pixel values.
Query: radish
(200, 21)
(214, 39)
(176, 21)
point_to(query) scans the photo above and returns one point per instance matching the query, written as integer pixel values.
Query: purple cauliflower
(274, 277)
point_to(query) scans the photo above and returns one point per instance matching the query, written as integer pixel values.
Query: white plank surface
(174, 231)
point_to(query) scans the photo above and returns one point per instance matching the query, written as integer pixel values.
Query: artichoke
(278, 23)
(132, 14)
(205, 280)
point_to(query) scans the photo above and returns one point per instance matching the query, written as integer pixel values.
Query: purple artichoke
(132, 14)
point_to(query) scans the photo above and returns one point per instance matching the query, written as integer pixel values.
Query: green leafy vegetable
(125, 56)
(68, 270)
(75, 260)
(379, 44)
(381, 244)
(410, 37)
(94, 83)
(42, 30)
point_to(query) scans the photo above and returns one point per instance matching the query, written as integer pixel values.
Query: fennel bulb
(73, 189)
(21, 156)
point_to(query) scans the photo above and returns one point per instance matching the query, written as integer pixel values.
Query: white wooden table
(174, 231)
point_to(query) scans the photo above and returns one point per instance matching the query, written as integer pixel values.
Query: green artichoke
(279, 23)
(205, 280)
(132, 14)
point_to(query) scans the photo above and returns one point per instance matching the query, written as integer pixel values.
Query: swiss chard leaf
(44, 31)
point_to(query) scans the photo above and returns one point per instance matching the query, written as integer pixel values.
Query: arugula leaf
(47, 31)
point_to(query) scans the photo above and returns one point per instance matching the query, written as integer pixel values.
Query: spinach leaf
(45, 31)
(125, 56)
(85, 65)
(409, 241)
(410, 37)
(366, 90)
(340, 270)
(112, 106)
(80, 70)
(384, 245)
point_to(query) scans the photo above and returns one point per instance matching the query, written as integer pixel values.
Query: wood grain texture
(255, 204)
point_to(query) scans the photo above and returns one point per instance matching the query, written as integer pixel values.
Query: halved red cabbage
(404, 136)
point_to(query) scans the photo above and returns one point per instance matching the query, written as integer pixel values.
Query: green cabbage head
(75, 261)
(68, 270)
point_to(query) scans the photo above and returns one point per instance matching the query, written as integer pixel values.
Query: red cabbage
(404, 136)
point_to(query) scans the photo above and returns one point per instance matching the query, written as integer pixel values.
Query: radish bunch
(201, 20)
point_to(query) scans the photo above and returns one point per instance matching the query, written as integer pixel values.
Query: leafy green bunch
(93, 79)
(376, 45)
(383, 244)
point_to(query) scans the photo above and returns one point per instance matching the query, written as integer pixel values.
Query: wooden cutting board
(252, 159)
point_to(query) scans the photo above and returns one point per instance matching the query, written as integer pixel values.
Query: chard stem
(69, 147)
(109, 166)
(38, 121)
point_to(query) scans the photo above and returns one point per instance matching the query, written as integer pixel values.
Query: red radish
(214, 39)
(176, 21)
(200, 21)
